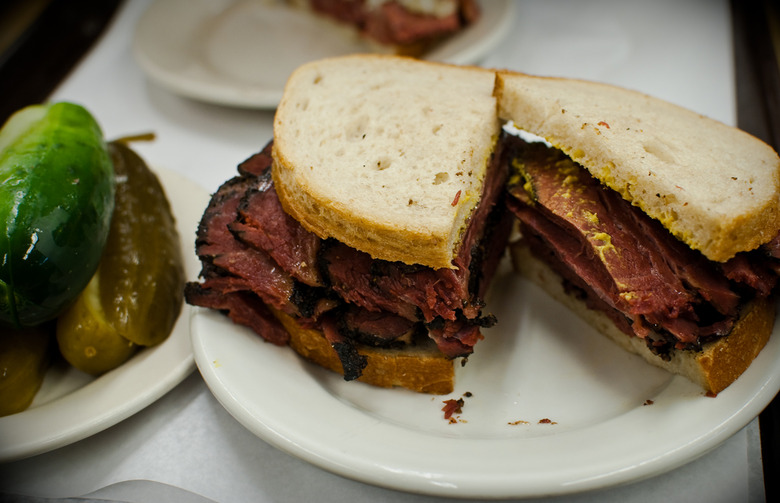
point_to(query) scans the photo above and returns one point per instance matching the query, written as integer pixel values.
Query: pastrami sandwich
(366, 233)
(403, 27)
(657, 225)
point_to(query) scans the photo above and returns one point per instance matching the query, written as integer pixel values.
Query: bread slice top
(385, 154)
(713, 186)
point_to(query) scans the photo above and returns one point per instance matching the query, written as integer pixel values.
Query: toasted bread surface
(714, 368)
(385, 154)
(713, 186)
(421, 368)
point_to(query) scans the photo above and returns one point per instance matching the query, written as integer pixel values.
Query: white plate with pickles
(72, 405)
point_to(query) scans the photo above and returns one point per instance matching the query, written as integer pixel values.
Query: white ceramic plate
(554, 408)
(72, 405)
(240, 52)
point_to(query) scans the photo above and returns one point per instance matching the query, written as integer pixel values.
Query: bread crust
(422, 368)
(328, 219)
(714, 368)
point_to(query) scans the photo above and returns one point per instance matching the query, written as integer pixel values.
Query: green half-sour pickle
(56, 204)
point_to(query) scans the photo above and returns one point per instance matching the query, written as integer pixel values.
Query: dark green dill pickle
(137, 293)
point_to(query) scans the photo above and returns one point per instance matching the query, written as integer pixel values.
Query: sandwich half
(402, 27)
(366, 233)
(657, 225)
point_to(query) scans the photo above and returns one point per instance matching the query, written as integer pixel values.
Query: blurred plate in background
(240, 52)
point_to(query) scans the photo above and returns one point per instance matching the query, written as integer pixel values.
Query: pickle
(86, 339)
(142, 272)
(25, 356)
(56, 200)
(137, 292)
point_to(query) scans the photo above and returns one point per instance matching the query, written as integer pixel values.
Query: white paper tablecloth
(677, 50)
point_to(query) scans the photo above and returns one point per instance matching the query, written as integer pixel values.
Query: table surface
(680, 51)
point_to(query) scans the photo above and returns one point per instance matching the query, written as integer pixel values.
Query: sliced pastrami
(243, 308)
(749, 269)
(262, 223)
(380, 329)
(392, 23)
(613, 252)
(352, 362)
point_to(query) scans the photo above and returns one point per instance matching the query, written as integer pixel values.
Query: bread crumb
(515, 423)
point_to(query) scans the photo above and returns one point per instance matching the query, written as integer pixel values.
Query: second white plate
(240, 52)
(551, 407)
